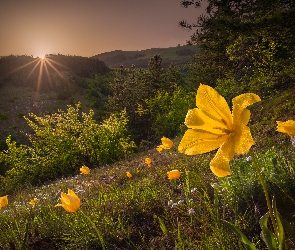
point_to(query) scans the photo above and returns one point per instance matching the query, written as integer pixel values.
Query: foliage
(178, 55)
(168, 111)
(97, 91)
(148, 209)
(133, 88)
(250, 41)
(61, 142)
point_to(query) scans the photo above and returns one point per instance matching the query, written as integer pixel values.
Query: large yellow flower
(4, 201)
(212, 126)
(70, 201)
(287, 127)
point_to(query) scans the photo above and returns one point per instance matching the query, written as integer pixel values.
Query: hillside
(176, 55)
(41, 86)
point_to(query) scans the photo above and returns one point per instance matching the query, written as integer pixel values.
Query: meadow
(135, 203)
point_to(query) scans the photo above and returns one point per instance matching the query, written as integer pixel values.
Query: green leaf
(280, 228)
(162, 225)
(267, 236)
(241, 236)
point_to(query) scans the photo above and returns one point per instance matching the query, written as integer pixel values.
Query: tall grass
(148, 211)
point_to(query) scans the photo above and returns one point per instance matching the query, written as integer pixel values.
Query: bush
(168, 111)
(61, 143)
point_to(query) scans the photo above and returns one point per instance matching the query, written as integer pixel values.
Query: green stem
(263, 183)
(95, 228)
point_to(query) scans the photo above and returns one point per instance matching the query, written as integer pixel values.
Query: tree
(244, 39)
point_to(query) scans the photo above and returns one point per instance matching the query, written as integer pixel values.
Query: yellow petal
(65, 198)
(4, 201)
(173, 174)
(287, 127)
(166, 143)
(240, 103)
(159, 149)
(72, 193)
(199, 142)
(220, 163)
(84, 170)
(70, 208)
(213, 105)
(197, 119)
(148, 161)
(243, 140)
(70, 201)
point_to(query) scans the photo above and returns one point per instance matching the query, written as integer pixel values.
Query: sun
(42, 56)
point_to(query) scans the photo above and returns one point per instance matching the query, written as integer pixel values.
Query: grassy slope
(123, 210)
(16, 102)
(277, 107)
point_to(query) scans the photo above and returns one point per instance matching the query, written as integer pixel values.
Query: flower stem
(263, 184)
(95, 228)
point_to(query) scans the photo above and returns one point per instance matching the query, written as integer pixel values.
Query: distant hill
(17, 67)
(141, 58)
(30, 84)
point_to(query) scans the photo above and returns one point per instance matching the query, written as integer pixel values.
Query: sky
(90, 27)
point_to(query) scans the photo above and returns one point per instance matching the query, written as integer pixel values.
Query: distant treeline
(177, 55)
(26, 70)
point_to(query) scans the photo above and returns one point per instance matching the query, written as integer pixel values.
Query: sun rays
(41, 68)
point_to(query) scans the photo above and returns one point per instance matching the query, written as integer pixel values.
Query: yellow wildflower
(212, 125)
(33, 202)
(166, 144)
(129, 175)
(4, 201)
(84, 170)
(148, 161)
(70, 201)
(287, 127)
(159, 149)
(173, 174)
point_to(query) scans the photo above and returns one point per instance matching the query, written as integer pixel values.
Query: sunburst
(42, 64)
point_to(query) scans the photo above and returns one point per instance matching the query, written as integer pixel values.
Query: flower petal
(166, 143)
(243, 140)
(72, 193)
(287, 127)
(213, 105)
(240, 103)
(200, 141)
(197, 119)
(220, 163)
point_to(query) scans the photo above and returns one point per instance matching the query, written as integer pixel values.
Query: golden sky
(90, 27)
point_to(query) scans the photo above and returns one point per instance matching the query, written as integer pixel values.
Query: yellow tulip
(70, 201)
(212, 125)
(129, 175)
(159, 149)
(4, 201)
(148, 161)
(287, 127)
(173, 174)
(84, 170)
(166, 144)
(33, 202)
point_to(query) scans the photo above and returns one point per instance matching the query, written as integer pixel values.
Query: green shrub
(61, 143)
(168, 111)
